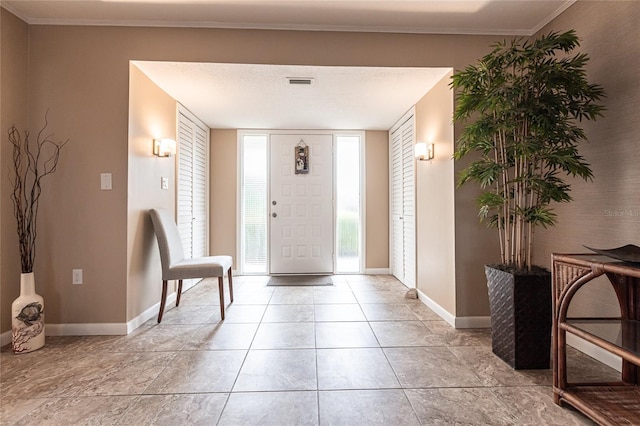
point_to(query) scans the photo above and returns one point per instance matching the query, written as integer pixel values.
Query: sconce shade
(423, 151)
(164, 147)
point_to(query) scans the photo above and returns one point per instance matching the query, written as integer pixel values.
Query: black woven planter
(520, 317)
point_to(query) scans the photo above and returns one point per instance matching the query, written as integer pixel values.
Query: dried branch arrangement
(32, 161)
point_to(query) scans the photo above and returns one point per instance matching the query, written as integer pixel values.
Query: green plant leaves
(521, 105)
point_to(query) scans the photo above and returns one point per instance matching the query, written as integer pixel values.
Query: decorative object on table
(32, 161)
(301, 158)
(628, 253)
(521, 105)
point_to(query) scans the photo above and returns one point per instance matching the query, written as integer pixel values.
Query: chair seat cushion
(199, 267)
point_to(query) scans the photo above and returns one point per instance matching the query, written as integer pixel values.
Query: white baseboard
(455, 322)
(97, 329)
(595, 352)
(442, 312)
(149, 313)
(94, 329)
(377, 271)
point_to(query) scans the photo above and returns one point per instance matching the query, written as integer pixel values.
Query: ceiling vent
(300, 81)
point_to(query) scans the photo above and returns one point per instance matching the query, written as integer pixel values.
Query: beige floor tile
(377, 296)
(271, 408)
(175, 409)
(533, 405)
(95, 373)
(259, 296)
(278, 370)
(429, 367)
(12, 410)
(160, 374)
(289, 313)
(282, 335)
(240, 314)
(388, 312)
(160, 338)
(345, 335)
(492, 371)
(189, 314)
(365, 368)
(421, 310)
(222, 336)
(340, 312)
(94, 410)
(199, 371)
(460, 337)
(459, 406)
(404, 333)
(331, 295)
(366, 407)
(290, 295)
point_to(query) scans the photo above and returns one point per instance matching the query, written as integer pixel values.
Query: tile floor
(356, 353)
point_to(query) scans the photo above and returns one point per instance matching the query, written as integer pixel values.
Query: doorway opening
(297, 223)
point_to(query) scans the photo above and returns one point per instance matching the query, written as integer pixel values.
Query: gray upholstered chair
(176, 267)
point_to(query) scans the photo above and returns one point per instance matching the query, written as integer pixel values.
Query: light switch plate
(105, 181)
(164, 183)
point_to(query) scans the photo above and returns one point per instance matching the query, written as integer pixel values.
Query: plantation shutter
(403, 223)
(192, 186)
(408, 204)
(397, 243)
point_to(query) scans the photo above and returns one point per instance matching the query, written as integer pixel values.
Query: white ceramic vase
(27, 317)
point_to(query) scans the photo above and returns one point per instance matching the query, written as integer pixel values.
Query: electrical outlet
(76, 276)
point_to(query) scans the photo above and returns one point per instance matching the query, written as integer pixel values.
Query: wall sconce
(423, 151)
(164, 147)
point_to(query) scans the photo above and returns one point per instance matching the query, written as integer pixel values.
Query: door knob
(274, 214)
(274, 202)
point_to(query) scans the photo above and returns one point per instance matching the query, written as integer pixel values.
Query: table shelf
(610, 334)
(605, 403)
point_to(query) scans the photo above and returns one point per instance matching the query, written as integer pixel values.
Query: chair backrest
(169, 242)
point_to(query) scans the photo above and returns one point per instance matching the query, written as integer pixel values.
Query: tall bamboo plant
(32, 161)
(522, 105)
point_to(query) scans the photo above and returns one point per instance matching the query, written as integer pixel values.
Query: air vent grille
(300, 81)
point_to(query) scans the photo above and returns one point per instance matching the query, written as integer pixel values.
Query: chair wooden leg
(163, 300)
(179, 292)
(221, 291)
(230, 286)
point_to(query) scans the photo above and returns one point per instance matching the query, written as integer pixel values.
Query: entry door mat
(300, 280)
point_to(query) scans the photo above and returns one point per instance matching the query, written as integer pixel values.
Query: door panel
(301, 227)
(402, 187)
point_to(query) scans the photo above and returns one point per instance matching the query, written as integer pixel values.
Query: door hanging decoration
(302, 158)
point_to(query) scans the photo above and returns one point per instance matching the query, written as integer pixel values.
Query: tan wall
(82, 75)
(152, 115)
(377, 196)
(435, 226)
(605, 213)
(223, 186)
(13, 110)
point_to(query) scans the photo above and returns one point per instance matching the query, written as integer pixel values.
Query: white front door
(301, 205)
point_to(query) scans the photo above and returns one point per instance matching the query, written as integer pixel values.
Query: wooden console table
(606, 403)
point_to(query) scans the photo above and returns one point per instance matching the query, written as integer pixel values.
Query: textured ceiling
(259, 96)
